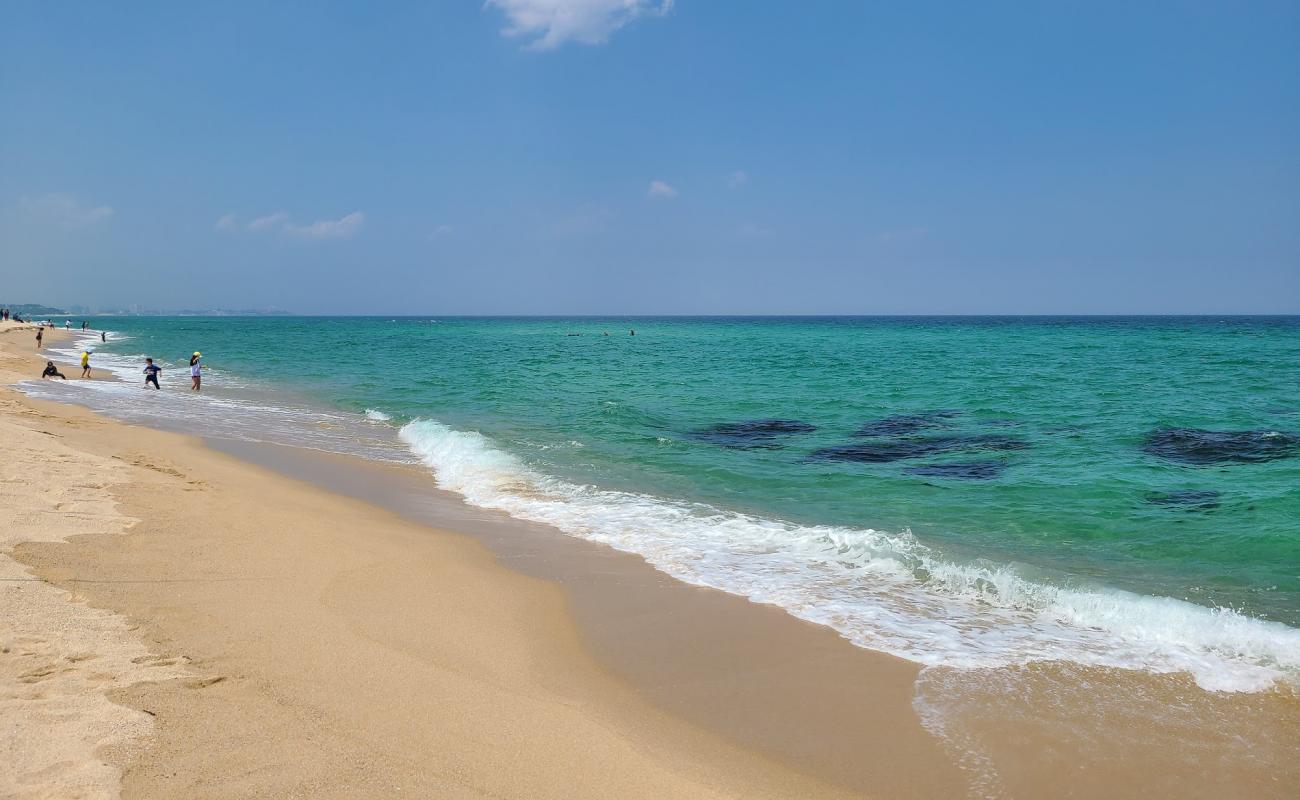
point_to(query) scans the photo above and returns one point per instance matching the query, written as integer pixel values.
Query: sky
(652, 156)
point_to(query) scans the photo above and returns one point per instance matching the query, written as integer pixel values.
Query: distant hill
(36, 310)
(33, 310)
(190, 312)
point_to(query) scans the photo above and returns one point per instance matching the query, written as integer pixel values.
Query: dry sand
(59, 658)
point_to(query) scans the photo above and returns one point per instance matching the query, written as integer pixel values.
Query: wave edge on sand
(882, 591)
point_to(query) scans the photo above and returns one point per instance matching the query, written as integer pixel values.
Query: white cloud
(64, 210)
(661, 189)
(341, 228)
(280, 222)
(441, 231)
(269, 222)
(737, 179)
(550, 23)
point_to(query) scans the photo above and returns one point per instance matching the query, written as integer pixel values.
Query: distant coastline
(186, 312)
(35, 310)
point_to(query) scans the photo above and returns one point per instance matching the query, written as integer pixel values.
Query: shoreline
(744, 684)
(626, 747)
(919, 567)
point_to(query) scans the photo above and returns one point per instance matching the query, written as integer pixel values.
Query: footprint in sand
(39, 674)
(154, 660)
(141, 461)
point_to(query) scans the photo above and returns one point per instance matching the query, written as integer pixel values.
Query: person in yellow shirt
(85, 363)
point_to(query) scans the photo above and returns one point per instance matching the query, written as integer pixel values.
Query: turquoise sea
(966, 491)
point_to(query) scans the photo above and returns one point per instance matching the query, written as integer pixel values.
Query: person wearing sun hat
(196, 371)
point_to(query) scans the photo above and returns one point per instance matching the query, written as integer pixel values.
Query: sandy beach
(191, 619)
(191, 625)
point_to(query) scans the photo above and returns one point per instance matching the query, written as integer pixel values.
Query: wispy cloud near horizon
(551, 23)
(268, 222)
(64, 210)
(342, 228)
(661, 190)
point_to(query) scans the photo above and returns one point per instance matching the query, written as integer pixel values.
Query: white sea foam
(884, 591)
(377, 416)
(229, 407)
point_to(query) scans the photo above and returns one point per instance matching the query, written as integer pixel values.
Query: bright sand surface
(59, 657)
(217, 628)
(268, 638)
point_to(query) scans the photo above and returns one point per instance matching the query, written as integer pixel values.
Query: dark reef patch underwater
(963, 470)
(1186, 500)
(881, 452)
(1196, 446)
(905, 424)
(754, 434)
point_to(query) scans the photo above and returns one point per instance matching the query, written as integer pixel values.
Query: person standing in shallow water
(85, 363)
(196, 371)
(151, 371)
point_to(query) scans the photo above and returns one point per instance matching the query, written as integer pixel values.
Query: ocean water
(969, 492)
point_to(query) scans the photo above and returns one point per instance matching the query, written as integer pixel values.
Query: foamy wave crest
(377, 416)
(884, 591)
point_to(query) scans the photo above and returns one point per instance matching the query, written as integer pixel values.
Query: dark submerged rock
(879, 452)
(1195, 446)
(966, 470)
(1187, 500)
(753, 434)
(904, 424)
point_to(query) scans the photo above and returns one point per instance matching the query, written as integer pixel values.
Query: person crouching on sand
(151, 371)
(52, 371)
(196, 371)
(85, 363)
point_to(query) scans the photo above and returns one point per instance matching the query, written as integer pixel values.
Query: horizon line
(290, 314)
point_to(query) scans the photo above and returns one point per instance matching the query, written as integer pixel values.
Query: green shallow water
(1080, 394)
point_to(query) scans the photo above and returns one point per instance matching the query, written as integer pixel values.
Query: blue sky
(636, 156)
